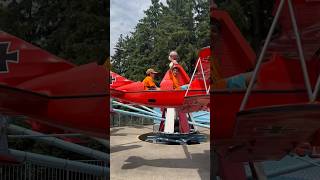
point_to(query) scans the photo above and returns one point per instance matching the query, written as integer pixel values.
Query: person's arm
(172, 61)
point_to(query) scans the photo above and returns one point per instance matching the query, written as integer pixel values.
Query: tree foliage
(77, 30)
(181, 25)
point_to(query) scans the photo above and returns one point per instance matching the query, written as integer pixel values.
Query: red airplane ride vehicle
(194, 98)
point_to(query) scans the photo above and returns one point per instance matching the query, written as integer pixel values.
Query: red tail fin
(183, 78)
(229, 46)
(117, 80)
(203, 69)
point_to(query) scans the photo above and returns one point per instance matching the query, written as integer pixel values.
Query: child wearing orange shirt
(173, 77)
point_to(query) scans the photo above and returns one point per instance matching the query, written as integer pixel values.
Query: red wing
(116, 93)
(39, 85)
(22, 61)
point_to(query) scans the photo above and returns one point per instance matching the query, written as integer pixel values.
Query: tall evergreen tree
(181, 25)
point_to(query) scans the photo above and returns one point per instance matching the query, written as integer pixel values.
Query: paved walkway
(132, 159)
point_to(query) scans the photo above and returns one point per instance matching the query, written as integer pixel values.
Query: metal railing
(31, 171)
(118, 120)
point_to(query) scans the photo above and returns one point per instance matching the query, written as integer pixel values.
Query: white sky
(124, 16)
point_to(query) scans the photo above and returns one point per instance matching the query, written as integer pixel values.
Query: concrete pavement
(133, 159)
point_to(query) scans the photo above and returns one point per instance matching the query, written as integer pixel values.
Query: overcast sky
(124, 16)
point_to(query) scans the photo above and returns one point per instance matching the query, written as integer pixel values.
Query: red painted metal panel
(230, 49)
(183, 123)
(307, 16)
(286, 74)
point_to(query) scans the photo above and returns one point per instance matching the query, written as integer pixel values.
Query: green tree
(119, 59)
(180, 25)
(76, 30)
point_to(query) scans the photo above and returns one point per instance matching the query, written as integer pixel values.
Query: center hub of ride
(174, 129)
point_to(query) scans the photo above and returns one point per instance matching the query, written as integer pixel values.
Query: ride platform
(134, 159)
